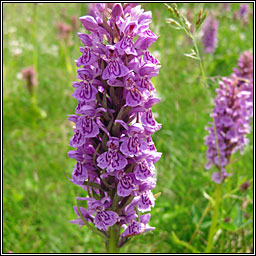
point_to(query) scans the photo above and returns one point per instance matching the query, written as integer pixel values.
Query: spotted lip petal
(87, 58)
(87, 126)
(80, 173)
(77, 140)
(144, 170)
(135, 228)
(111, 160)
(126, 45)
(86, 92)
(105, 219)
(126, 185)
(133, 146)
(149, 122)
(146, 201)
(115, 69)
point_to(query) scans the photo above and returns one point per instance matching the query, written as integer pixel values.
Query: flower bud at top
(117, 10)
(89, 22)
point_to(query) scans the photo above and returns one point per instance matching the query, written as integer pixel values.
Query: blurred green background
(38, 199)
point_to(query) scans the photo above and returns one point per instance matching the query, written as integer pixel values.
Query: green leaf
(209, 198)
(189, 55)
(238, 217)
(228, 226)
(183, 243)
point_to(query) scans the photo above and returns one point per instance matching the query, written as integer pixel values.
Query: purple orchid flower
(126, 184)
(103, 219)
(89, 56)
(78, 139)
(136, 228)
(134, 144)
(232, 114)
(112, 159)
(126, 45)
(134, 95)
(115, 67)
(115, 153)
(146, 201)
(144, 169)
(209, 37)
(146, 72)
(86, 122)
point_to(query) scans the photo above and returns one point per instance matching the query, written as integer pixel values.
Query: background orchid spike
(29, 75)
(232, 115)
(114, 122)
(210, 37)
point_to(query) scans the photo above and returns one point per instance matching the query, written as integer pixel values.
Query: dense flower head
(232, 115)
(29, 75)
(245, 66)
(113, 120)
(243, 11)
(226, 7)
(209, 37)
(63, 30)
(74, 23)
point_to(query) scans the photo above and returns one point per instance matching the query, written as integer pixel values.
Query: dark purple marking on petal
(86, 92)
(145, 199)
(133, 144)
(86, 124)
(135, 228)
(115, 160)
(80, 105)
(149, 118)
(109, 156)
(144, 83)
(148, 56)
(80, 173)
(126, 43)
(142, 170)
(86, 56)
(105, 219)
(126, 182)
(78, 169)
(136, 95)
(77, 140)
(149, 33)
(114, 68)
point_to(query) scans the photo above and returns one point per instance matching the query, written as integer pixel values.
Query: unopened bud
(89, 22)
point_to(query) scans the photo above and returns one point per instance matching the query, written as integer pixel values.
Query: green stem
(214, 219)
(35, 53)
(112, 243)
(200, 62)
(207, 209)
(35, 38)
(197, 54)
